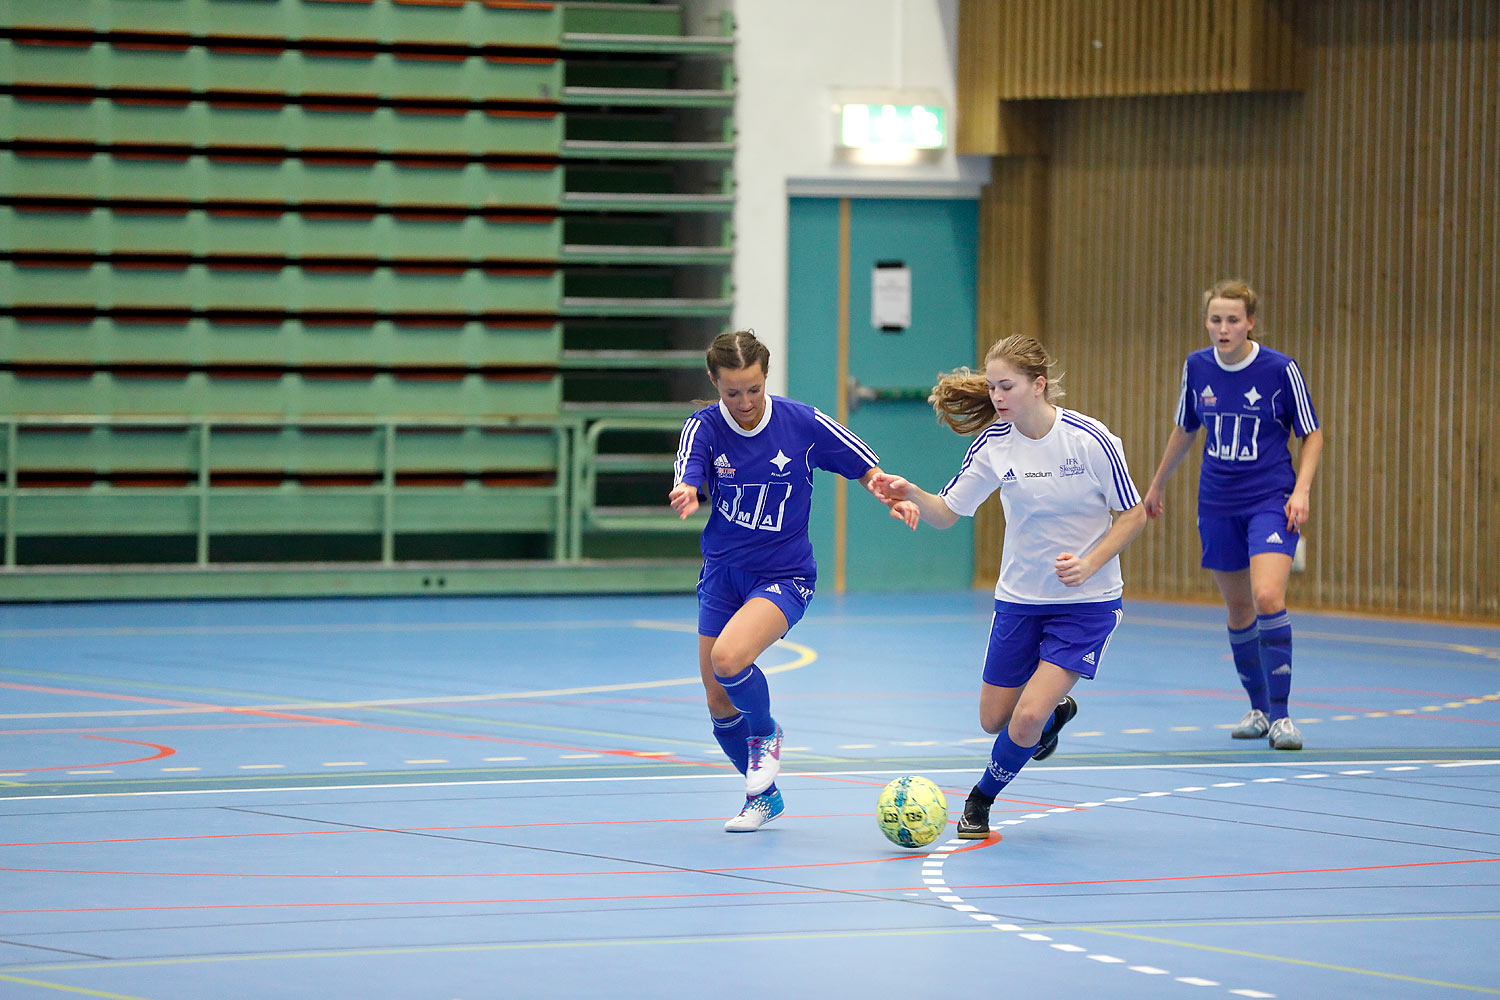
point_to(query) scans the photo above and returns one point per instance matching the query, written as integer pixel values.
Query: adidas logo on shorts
(774, 588)
(1275, 538)
(1089, 658)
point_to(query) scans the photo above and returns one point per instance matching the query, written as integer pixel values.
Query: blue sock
(1245, 645)
(1276, 655)
(1006, 760)
(731, 734)
(749, 693)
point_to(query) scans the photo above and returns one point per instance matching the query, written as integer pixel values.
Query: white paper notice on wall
(890, 296)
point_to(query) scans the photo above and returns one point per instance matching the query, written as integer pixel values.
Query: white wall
(790, 57)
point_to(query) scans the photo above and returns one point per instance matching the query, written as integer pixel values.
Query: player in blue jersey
(751, 456)
(1061, 477)
(1251, 505)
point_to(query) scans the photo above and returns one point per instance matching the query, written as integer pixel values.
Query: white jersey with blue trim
(1057, 492)
(1249, 411)
(759, 481)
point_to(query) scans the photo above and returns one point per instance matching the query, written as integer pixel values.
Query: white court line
(480, 782)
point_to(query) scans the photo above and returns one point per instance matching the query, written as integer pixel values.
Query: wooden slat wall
(1365, 212)
(1083, 48)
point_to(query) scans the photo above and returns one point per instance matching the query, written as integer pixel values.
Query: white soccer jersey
(1057, 493)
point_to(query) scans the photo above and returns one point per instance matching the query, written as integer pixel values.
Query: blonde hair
(1232, 288)
(961, 397)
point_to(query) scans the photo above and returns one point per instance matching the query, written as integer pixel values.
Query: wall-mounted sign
(892, 126)
(890, 296)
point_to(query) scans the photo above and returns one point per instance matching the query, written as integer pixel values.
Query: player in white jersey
(1061, 475)
(752, 456)
(1251, 506)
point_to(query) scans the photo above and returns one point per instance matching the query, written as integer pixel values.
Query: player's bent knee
(727, 661)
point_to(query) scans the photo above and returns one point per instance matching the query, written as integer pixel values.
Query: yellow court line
(804, 656)
(77, 990)
(1291, 961)
(132, 963)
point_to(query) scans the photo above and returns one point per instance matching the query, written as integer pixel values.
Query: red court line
(1189, 878)
(708, 895)
(330, 721)
(161, 751)
(993, 840)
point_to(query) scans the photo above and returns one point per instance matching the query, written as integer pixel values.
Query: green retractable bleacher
(389, 294)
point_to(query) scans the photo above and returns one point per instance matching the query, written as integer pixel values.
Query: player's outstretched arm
(1177, 448)
(684, 500)
(902, 511)
(900, 493)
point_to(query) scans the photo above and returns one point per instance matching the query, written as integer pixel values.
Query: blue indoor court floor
(521, 797)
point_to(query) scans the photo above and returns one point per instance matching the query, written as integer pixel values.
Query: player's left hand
(1072, 570)
(1298, 509)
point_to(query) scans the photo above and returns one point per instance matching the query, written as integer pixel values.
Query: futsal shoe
(1285, 736)
(974, 824)
(1253, 726)
(759, 810)
(1061, 716)
(765, 762)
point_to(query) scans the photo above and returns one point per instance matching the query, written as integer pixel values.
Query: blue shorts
(723, 590)
(1073, 639)
(1230, 540)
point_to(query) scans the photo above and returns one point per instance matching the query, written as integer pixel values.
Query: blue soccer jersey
(759, 482)
(1249, 411)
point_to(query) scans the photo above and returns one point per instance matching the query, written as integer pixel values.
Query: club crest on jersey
(1208, 397)
(1070, 467)
(1009, 477)
(781, 462)
(1252, 397)
(723, 468)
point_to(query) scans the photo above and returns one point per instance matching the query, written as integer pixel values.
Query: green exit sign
(892, 126)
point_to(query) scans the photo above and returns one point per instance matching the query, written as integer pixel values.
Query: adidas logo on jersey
(1207, 395)
(1275, 538)
(1089, 658)
(722, 466)
(1009, 477)
(774, 588)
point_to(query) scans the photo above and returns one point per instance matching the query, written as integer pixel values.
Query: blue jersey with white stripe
(759, 482)
(1249, 410)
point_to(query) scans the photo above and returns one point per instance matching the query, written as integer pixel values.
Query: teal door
(937, 240)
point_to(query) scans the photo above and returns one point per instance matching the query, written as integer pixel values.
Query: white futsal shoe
(1252, 727)
(759, 810)
(1285, 736)
(764, 763)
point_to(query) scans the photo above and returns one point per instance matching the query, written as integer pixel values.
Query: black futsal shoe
(1066, 709)
(974, 824)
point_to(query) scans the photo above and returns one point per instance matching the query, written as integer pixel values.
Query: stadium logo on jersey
(1009, 477)
(1208, 397)
(1252, 397)
(781, 462)
(1039, 475)
(723, 468)
(1274, 538)
(1071, 467)
(1089, 658)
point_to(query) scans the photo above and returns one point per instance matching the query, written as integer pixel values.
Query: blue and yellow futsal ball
(912, 811)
